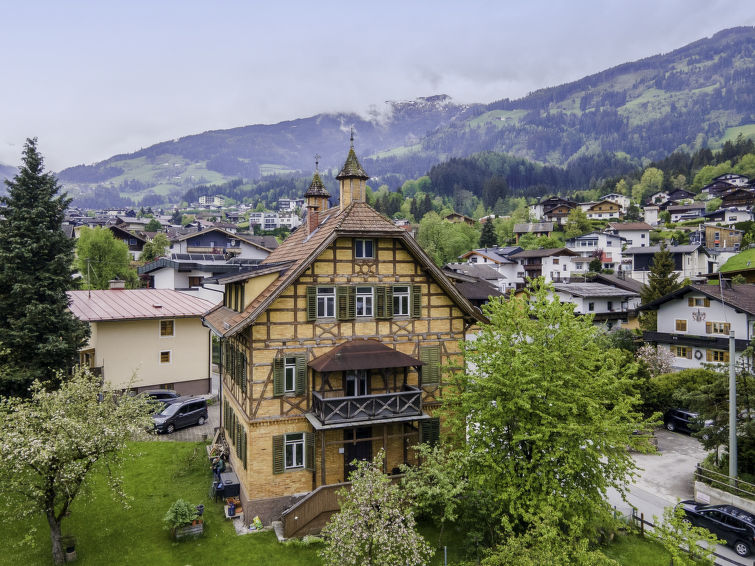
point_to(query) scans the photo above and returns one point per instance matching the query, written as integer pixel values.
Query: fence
(641, 522)
(724, 482)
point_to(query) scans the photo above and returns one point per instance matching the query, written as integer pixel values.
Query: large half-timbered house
(335, 346)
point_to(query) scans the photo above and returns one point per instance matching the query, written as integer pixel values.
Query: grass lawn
(740, 261)
(158, 473)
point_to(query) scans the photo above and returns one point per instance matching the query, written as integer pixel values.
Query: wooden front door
(356, 450)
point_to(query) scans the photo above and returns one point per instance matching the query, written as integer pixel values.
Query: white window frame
(170, 357)
(294, 451)
(402, 300)
(365, 301)
(326, 302)
(173, 328)
(289, 374)
(360, 248)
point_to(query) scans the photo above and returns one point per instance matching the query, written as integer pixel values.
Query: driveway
(666, 477)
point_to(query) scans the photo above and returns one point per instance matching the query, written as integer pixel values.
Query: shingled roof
(352, 168)
(317, 188)
(302, 248)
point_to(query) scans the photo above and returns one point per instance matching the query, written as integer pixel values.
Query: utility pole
(732, 412)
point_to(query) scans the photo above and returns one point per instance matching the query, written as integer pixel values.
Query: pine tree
(488, 237)
(661, 281)
(40, 335)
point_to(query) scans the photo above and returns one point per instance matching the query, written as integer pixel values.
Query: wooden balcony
(331, 409)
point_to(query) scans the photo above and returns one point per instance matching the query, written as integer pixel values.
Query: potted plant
(183, 520)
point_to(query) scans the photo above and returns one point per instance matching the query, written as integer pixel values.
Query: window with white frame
(326, 302)
(167, 328)
(364, 301)
(401, 300)
(363, 249)
(289, 375)
(294, 450)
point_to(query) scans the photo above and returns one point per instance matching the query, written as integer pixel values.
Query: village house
(635, 234)
(538, 229)
(552, 264)
(332, 351)
(694, 322)
(610, 306)
(716, 237)
(602, 245)
(555, 208)
(216, 241)
(155, 336)
(690, 261)
(602, 210)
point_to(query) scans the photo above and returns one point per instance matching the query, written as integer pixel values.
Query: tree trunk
(57, 548)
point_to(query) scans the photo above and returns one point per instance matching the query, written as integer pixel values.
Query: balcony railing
(331, 410)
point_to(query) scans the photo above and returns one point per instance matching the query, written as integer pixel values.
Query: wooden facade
(333, 351)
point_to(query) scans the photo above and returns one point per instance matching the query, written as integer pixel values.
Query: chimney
(116, 284)
(313, 218)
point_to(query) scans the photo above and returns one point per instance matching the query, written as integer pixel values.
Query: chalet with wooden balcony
(336, 346)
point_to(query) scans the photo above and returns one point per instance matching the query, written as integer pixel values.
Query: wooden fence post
(642, 524)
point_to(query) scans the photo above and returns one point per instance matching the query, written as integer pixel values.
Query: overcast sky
(94, 78)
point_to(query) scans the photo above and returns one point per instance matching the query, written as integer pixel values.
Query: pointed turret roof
(316, 187)
(352, 168)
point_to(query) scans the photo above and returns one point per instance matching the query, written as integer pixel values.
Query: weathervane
(317, 162)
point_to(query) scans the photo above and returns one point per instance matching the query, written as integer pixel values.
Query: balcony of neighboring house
(364, 381)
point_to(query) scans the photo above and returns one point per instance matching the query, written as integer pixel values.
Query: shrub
(181, 513)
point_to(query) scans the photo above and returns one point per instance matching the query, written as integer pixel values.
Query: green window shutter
(243, 371)
(429, 431)
(431, 370)
(309, 451)
(311, 303)
(278, 384)
(239, 431)
(352, 300)
(416, 301)
(241, 299)
(383, 302)
(342, 303)
(301, 375)
(278, 456)
(243, 447)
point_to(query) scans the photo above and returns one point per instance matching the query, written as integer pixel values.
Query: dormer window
(364, 249)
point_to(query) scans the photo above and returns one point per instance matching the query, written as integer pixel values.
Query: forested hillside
(695, 97)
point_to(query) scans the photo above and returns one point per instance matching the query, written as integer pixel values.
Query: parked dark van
(180, 413)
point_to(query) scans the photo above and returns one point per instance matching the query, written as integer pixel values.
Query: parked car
(180, 413)
(160, 394)
(682, 420)
(732, 524)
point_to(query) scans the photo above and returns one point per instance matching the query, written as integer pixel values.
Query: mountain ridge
(692, 96)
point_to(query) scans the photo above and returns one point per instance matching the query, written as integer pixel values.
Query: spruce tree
(661, 281)
(488, 237)
(40, 335)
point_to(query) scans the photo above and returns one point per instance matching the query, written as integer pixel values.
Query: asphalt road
(664, 479)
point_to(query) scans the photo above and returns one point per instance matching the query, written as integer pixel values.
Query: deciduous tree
(52, 441)
(577, 223)
(547, 413)
(156, 248)
(39, 334)
(101, 257)
(375, 526)
(680, 539)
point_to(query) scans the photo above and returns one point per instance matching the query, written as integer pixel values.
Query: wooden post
(642, 524)
(385, 448)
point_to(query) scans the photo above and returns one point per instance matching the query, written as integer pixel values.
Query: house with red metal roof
(153, 335)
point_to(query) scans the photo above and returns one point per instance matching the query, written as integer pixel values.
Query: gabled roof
(362, 354)
(593, 290)
(477, 270)
(229, 235)
(302, 248)
(740, 297)
(535, 227)
(135, 304)
(489, 253)
(688, 248)
(127, 233)
(543, 253)
(629, 226)
(626, 283)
